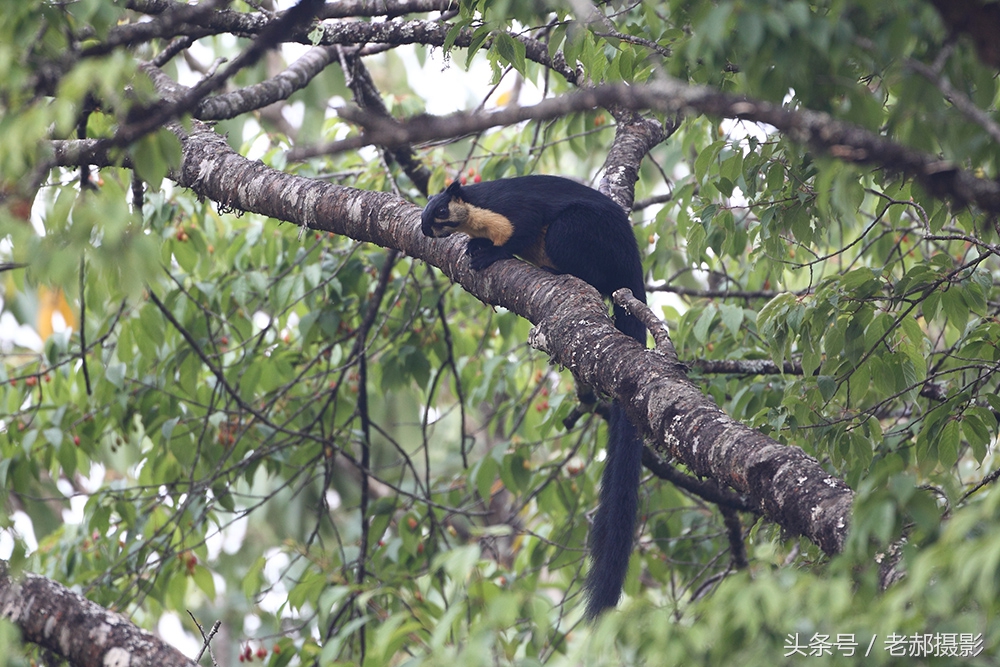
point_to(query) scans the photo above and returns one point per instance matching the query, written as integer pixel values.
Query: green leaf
(976, 431)
(948, 443)
(515, 471)
(511, 50)
(704, 324)
(732, 318)
(706, 157)
(204, 580)
(115, 374)
(454, 31)
(485, 473)
(696, 239)
(154, 155)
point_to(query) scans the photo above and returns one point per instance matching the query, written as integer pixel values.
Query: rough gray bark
(83, 632)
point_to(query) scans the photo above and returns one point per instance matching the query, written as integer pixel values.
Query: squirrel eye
(442, 212)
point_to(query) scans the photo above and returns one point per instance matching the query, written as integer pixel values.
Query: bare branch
(267, 39)
(821, 131)
(295, 77)
(653, 324)
(368, 98)
(388, 8)
(680, 290)
(746, 366)
(706, 489)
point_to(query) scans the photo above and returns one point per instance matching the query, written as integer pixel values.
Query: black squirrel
(565, 227)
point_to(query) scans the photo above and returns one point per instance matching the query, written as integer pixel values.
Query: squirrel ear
(454, 188)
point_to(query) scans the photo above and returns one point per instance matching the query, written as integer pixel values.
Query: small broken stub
(537, 339)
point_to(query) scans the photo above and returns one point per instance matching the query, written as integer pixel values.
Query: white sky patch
(93, 482)
(229, 540)
(275, 563)
(291, 326)
(739, 131)
(445, 85)
(73, 515)
(220, 585)
(260, 142)
(22, 528)
(261, 320)
(294, 112)
(368, 153)
(332, 499)
(13, 333)
(6, 544)
(292, 51)
(251, 624)
(172, 632)
(433, 414)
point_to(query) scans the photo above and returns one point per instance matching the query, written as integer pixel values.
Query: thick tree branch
(173, 19)
(431, 33)
(80, 631)
(178, 20)
(573, 326)
(342, 9)
(635, 136)
(331, 10)
(74, 152)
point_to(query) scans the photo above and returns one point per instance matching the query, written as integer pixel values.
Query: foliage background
(192, 442)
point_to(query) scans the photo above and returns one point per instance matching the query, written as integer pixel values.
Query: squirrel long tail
(613, 531)
(614, 525)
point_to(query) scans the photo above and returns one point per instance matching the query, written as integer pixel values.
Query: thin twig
(206, 639)
(83, 329)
